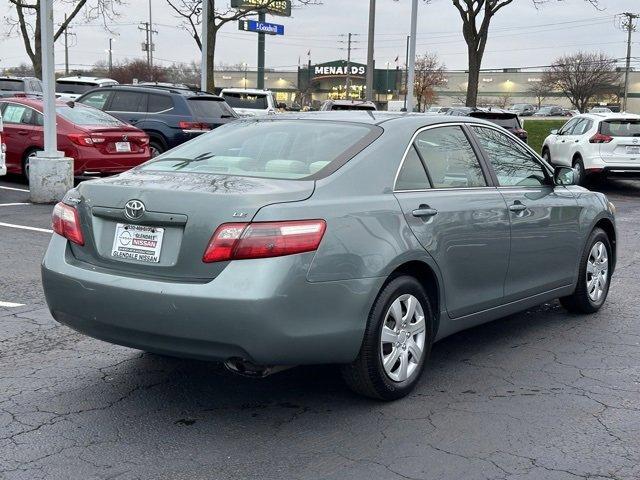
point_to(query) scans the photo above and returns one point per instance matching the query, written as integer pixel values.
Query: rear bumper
(264, 311)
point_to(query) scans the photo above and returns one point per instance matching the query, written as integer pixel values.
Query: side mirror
(282, 106)
(554, 131)
(565, 176)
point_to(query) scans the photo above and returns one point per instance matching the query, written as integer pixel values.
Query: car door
(562, 144)
(16, 134)
(457, 215)
(128, 106)
(544, 218)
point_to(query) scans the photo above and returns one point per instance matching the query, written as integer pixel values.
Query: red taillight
(66, 222)
(85, 140)
(194, 126)
(600, 138)
(241, 241)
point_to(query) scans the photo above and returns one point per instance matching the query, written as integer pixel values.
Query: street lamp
(411, 73)
(244, 65)
(110, 51)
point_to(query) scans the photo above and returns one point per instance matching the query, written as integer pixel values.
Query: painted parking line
(16, 204)
(14, 189)
(25, 227)
(11, 304)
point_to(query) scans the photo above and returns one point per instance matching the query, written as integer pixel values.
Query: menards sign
(274, 7)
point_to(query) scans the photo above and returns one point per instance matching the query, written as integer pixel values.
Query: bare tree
(476, 18)
(583, 76)
(430, 74)
(27, 22)
(540, 91)
(190, 11)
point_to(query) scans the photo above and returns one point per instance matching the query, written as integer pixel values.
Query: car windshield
(82, 115)
(246, 100)
(545, 109)
(74, 87)
(511, 122)
(621, 128)
(434, 109)
(12, 85)
(353, 106)
(519, 106)
(210, 107)
(283, 149)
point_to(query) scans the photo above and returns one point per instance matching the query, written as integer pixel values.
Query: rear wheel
(578, 165)
(594, 276)
(156, 147)
(25, 164)
(547, 156)
(396, 343)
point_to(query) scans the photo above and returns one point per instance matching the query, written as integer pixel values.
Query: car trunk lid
(624, 144)
(185, 207)
(211, 111)
(117, 140)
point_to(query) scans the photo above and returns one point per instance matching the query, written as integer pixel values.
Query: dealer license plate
(123, 147)
(137, 242)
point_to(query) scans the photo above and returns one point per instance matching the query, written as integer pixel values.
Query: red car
(98, 142)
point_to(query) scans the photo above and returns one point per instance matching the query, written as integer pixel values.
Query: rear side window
(124, 101)
(14, 113)
(207, 107)
(12, 85)
(621, 128)
(449, 158)
(97, 99)
(284, 149)
(159, 103)
(74, 87)
(412, 175)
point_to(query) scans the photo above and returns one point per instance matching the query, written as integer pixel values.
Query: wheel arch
(607, 225)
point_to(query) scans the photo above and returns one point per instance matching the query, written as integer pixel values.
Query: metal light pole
(204, 40)
(110, 56)
(50, 174)
(370, 49)
(411, 73)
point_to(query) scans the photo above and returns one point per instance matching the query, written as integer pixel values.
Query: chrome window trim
(447, 189)
(411, 142)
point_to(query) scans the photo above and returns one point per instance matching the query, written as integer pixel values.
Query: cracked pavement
(539, 395)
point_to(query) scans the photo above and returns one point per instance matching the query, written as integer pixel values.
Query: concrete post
(50, 173)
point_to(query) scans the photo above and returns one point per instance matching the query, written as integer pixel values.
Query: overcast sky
(521, 35)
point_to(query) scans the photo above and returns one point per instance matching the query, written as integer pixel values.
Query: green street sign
(281, 8)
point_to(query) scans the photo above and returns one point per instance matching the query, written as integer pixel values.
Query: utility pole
(148, 45)
(204, 37)
(110, 56)
(66, 47)
(406, 74)
(350, 48)
(261, 51)
(629, 25)
(411, 74)
(370, 49)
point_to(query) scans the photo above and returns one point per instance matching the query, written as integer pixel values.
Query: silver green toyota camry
(355, 238)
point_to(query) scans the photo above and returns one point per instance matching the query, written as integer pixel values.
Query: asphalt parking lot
(539, 395)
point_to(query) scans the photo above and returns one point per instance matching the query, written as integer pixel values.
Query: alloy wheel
(402, 338)
(597, 271)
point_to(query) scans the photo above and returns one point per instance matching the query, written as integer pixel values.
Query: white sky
(521, 35)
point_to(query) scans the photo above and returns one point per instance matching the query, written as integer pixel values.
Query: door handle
(424, 211)
(518, 207)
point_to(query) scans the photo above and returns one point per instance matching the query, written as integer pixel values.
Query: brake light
(85, 140)
(194, 126)
(66, 222)
(241, 241)
(600, 138)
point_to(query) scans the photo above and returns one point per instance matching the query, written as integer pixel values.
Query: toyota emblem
(134, 209)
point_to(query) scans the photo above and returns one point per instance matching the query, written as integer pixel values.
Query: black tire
(578, 165)
(367, 375)
(24, 173)
(156, 147)
(580, 301)
(547, 155)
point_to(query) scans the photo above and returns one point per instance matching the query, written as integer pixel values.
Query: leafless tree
(430, 74)
(583, 76)
(190, 11)
(476, 19)
(540, 91)
(27, 22)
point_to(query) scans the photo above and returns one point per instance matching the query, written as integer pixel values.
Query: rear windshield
(621, 128)
(282, 149)
(74, 87)
(352, 107)
(12, 85)
(82, 115)
(246, 100)
(210, 107)
(505, 122)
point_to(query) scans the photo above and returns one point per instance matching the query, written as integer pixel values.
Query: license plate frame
(123, 147)
(633, 149)
(139, 243)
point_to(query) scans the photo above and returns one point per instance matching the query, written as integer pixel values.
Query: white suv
(596, 143)
(250, 102)
(71, 88)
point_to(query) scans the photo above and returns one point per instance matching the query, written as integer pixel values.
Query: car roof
(9, 77)
(84, 79)
(185, 92)
(608, 116)
(34, 102)
(245, 90)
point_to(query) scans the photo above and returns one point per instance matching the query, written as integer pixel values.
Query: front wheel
(594, 275)
(396, 343)
(578, 166)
